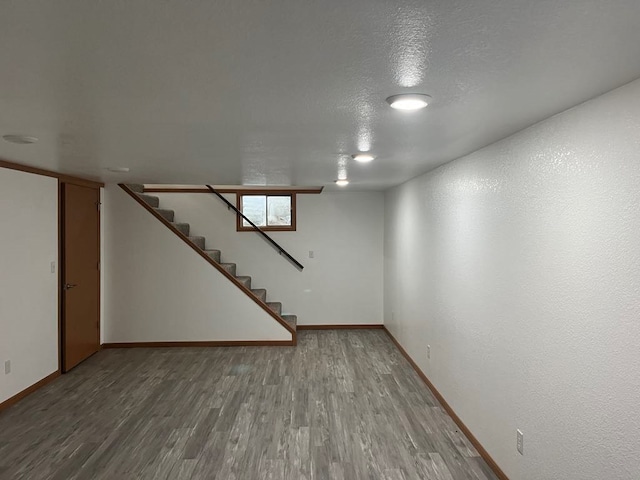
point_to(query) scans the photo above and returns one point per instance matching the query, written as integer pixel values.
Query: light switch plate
(520, 442)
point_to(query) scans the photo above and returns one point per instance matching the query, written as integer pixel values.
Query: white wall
(28, 288)
(520, 266)
(158, 289)
(342, 284)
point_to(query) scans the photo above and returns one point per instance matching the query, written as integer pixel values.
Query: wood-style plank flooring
(342, 405)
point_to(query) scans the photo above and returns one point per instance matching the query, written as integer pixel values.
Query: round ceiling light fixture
(118, 169)
(19, 139)
(363, 157)
(342, 183)
(409, 101)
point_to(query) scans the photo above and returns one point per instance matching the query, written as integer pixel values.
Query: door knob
(69, 286)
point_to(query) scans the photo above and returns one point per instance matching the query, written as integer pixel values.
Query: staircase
(198, 243)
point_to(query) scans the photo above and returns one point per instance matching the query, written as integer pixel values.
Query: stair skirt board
(198, 244)
(353, 326)
(213, 343)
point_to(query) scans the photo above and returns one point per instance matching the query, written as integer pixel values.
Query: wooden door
(81, 274)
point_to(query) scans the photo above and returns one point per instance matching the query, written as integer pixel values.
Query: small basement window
(269, 211)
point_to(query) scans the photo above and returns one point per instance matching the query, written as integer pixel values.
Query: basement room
(303, 240)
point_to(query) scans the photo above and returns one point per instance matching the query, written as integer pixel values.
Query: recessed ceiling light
(363, 157)
(409, 101)
(20, 139)
(118, 169)
(342, 183)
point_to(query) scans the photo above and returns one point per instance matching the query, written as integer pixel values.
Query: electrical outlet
(429, 351)
(53, 267)
(7, 367)
(311, 254)
(520, 442)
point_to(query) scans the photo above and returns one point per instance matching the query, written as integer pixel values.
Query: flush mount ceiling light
(118, 169)
(342, 183)
(409, 101)
(363, 157)
(20, 139)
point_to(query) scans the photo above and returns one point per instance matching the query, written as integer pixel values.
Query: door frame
(61, 261)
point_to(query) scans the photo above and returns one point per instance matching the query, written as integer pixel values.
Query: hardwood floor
(342, 405)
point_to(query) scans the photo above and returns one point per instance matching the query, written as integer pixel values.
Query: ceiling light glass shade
(342, 183)
(20, 139)
(409, 101)
(363, 157)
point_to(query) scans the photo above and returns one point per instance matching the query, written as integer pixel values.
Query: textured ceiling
(282, 92)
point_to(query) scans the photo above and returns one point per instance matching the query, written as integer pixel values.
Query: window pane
(255, 209)
(279, 211)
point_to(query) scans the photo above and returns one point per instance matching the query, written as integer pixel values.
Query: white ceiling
(283, 91)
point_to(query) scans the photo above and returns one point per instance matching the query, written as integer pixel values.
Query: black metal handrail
(269, 240)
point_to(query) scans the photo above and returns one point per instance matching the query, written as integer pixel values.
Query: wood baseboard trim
(269, 190)
(483, 453)
(353, 326)
(211, 262)
(215, 343)
(19, 396)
